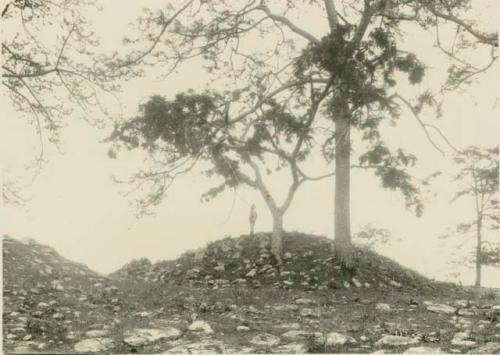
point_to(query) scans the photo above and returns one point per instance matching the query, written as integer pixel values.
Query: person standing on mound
(253, 218)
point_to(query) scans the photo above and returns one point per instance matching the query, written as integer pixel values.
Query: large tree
(358, 62)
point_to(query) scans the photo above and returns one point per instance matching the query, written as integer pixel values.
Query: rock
(96, 333)
(395, 283)
(423, 350)
(287, 256)
(304, 301)
(383, 307)
(141, 336)
(242, 328)
(466, 312)
(334, 339)
(292, 348)
(396, 340)
(440, 308)
(201, 347)
(288, 326)
(220, 267)
(308, 312)
(462, 339)
(296, 335)
(265, 339)
(488, 348)
(201, 326)
(95, 345)
(25, 348)
(356, 282)
(251, 273)
(461, 303)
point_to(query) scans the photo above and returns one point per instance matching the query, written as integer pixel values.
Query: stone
(292, 348)
(251, 273)
(201, 347)
(488, 348)
(296, 335)
(356, 282)
(461, 303)
(304, 301)
(265, 339)
(396, 340)
(440, 308)
(242, 328)
(334, 339)
(462, 339)
(142, 336)
(288, 326)
(466, 312)
(308, 312)
(383, 307)
(423, 350)
(96, 333)
(95, 345)
(201, 326)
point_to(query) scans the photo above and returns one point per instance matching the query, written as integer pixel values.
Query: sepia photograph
(250, 176)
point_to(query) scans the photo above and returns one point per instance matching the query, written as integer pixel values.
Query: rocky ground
(230, 298)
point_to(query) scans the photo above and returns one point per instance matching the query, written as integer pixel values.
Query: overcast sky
(75, 207)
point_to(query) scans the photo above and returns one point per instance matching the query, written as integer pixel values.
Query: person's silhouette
(253, 218)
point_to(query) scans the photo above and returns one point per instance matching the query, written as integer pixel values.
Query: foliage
(478, 181)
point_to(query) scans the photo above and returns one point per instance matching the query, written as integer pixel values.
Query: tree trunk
(277, 237)
(343, 245)
(478, 253)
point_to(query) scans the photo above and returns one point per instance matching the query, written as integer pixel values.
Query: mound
(247, 261)
(47, 299)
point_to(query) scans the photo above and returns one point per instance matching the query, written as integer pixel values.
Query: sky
(74, 205)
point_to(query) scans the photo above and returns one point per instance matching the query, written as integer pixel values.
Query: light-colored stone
(423, 350)
(488, 348)
(201, 347)
(440, 308)
(334, 339)
(304, 301)
(242, 328)
(265, 339)
(395, 340)
(462, 339)
(141, 336)
(95, 345)
(96, 333)
(292, 348)
(308, 312)
(201, 326)
(356, 282)
(383, 307)
(466, 312)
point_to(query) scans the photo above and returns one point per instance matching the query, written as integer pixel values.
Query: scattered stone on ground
(142, 336)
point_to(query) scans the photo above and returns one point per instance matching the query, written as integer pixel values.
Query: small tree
(194, 128)
(478, 180)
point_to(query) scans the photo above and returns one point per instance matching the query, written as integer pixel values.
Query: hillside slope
(308, 265)
(47, 299)
(236, 301)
